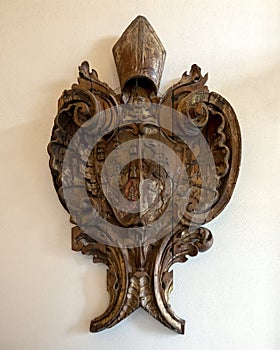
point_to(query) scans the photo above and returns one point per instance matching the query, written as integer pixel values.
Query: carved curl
(176, 248)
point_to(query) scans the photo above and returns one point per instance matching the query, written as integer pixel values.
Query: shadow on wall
(101, 59)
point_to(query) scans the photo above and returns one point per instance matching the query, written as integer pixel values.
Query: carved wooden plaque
(140, 174)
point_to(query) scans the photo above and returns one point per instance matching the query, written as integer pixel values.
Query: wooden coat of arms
(140, 174)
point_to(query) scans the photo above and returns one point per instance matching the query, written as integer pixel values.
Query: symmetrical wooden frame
(139, 272)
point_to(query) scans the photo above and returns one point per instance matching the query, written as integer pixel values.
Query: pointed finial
(139, 54)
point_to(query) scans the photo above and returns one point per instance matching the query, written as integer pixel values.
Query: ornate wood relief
(140, 173)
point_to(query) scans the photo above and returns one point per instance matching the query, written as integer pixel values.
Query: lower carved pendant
(140, 276)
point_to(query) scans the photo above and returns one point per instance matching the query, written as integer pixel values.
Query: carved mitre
(140, 174)
(139, 54)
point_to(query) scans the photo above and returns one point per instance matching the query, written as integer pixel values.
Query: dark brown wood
(139, 263)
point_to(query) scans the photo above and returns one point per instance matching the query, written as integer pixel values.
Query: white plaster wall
(48, 294)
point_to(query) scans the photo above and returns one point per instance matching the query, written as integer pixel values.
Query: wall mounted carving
(140, 174)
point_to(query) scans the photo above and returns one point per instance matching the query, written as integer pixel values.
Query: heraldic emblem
(142, 173)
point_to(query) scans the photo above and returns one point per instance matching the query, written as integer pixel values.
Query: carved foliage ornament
(140, 173)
